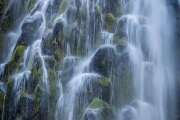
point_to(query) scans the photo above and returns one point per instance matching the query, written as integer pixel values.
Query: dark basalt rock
(90, 115)
(127, 114)
(103, 61)
(52, 44)
(120, 29)
(112, 6)
(121, 46)
(26, 108)
(58, 28)
(71, 14)
(29, 30)
(67, 75)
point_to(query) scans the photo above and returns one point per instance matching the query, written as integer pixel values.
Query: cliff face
(68, 60)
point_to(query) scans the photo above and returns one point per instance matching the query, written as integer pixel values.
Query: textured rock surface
(73, 30)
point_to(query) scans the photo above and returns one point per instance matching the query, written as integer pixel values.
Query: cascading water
(149, 31)
(87, 60)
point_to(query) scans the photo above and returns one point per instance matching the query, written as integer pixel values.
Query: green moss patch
(63, 6)
(17, 57)
(110, 22)
(103, 82)
(97, 103)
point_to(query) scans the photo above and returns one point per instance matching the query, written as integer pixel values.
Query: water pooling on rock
(89, 60)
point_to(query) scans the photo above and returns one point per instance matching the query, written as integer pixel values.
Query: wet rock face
(103, 61)
(29, 30)
(95, 87)
(26, 108)
(1, 101)
(127, 114)
(99, 110)
(89, 115)
(57, 29)
(112, 6)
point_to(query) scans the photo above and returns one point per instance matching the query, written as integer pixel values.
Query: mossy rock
(51, 62)
(97, 103)
(120, 30)
(64, 5)
(8, 98)
(112, 6)
(51, 48)
(29, 29)
(103, 60)
(31, 4)
(94, 87)
(121, 45)
(102, 88)
(53, 92)
(110, 22)
(122, 81)
(17, 57)
(98, 10)
(52, 44)
(7, 22)
(36, 75)
(3, 5)
(10, 82)
(18, 53)
(103, 110)
(103, 82)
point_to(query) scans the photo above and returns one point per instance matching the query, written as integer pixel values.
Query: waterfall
(149, 30)
(89, 60)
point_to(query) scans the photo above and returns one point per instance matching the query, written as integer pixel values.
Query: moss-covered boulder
(120, 30)
(99, 110)
(103, 60)
(115, 63)
(94, 87)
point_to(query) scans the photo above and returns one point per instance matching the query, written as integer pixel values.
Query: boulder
(99, 110)
(29, 29)
(127, 114)
(94, 87)
(103, 60)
